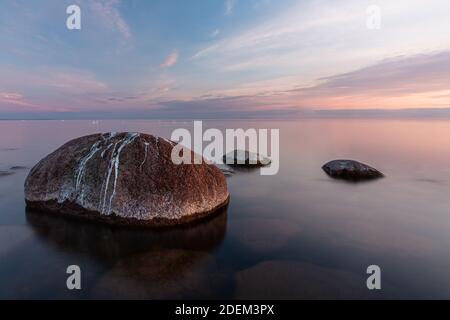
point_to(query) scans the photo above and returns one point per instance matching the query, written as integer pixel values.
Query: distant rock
(351, 170)
(124, 178)
(245, 158)
(17, 168)
(5, 173)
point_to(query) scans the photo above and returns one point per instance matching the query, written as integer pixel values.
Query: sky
(222, 58)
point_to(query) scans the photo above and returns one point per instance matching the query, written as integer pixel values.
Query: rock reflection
(141, 262)
(108, 242)
(162, 274)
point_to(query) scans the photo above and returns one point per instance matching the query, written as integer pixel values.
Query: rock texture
(351, 170)
(245, 158)
(124, 178)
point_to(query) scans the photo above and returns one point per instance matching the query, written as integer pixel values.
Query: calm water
(298, 234)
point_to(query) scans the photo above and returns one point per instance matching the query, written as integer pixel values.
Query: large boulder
(124, 178)
(351, 170)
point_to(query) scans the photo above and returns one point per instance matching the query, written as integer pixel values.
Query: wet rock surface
(126, 178)
(351, 170)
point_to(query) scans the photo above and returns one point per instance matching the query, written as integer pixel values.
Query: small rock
(351, 170)
(5, 173)
(245, 158)
(17, 168)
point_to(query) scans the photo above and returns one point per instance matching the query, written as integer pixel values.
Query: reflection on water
(298, 234)
(110, 243)
(144, 263)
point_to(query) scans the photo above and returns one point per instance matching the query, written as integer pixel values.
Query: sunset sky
(221, 58)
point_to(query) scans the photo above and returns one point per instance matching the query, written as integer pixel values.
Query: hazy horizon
(417, 113)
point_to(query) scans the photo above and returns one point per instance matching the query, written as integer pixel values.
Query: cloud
(109, 14)
(284, 29)
(229, 6)
(205, 51)
(398, 76)
(219, 108)
(317, 39)
(14, 98)
(400, 82)
(53, 80)
(171, 60)
(48, 88)
(215, 33)
(17, 102)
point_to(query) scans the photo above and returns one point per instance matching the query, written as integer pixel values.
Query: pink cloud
(171, 60)
(15, 100)
(66, 81)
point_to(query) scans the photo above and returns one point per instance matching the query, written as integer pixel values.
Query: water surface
(298, 234)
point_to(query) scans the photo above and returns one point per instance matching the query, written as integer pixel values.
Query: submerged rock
(124, 178)
(263, 235)
(298, 280)
(5, 173)
(226, 170)
(161, 274)
(245, 158)
(17, 168)
(351, 170)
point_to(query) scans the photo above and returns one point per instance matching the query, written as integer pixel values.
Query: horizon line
(283, 114)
